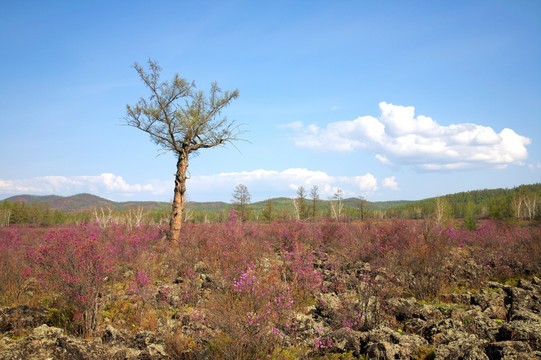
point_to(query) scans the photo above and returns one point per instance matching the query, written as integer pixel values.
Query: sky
(388, 100)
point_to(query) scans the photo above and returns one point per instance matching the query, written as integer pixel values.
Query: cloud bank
(286, 182)
(261, 184)
(104, 184)
(399, 138)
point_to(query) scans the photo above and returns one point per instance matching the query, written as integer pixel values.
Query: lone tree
(362, 205)
(181, 119)
(315, 200)
(337, 204)
(301, 210)
(268, 210)
(241, 201)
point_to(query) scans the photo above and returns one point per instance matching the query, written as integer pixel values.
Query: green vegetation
(512, 205)
(424, 353)
(519, 202)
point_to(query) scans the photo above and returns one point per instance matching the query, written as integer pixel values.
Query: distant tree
(469, 218)
(268, 210)
(299, 204)
(337, 204)
(500, 208)
(59, 217)
(441, 210)
(5, 213)
(417, 212)
(46, 216)
(103, 216)
(531, 204)
(380, 214)
(241, 200)
(314, 195)
(362, 205)
(517, 205)
(296, 209)
(182, 120)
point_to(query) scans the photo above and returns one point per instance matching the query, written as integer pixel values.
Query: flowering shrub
(300, 271)
(248, 288)
(252, 314)
(73, 264)
(506, 250)
(12, 273)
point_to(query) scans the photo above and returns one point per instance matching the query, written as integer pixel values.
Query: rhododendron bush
(244, 287)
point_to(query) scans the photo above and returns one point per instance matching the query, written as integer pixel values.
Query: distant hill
(478, 198)
(82, 202)
(377, 205)
(282, 202)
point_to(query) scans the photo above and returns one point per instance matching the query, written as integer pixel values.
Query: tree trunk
(178, 199)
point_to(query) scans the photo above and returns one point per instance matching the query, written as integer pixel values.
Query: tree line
(522, 202)
(22, 213)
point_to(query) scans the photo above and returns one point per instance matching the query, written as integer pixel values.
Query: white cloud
(390, 183)
(285, 183)
(103, 184)
(261, 184)
(367, 182)
(534, 166)
(401, 138)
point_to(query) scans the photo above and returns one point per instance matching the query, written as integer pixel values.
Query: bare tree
(5, 215)
(241, 199)
(181, 119)
(337, 204)
(301, 210)
(134, 217)
(314, 195)
(296, 209)
(188, 214)
(138, 214)
(530, 202)
(103, 217)
(441, 209)
(517, 204)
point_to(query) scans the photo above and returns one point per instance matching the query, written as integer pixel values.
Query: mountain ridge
(85, 202)
(82, 202)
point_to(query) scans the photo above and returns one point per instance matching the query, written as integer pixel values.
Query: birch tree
(314, 195)
(301, 210)
(530, 202)
(5, 214)
(441, 209)
(517, 204)
(337, 204)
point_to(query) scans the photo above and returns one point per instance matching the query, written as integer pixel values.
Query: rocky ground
(498, 322)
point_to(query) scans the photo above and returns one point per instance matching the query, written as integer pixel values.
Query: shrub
(73, 264)
(12, 272)
(252, 315)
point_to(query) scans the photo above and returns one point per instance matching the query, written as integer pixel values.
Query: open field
(285, 290)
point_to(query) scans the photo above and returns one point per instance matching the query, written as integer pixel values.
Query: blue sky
(384, 99)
